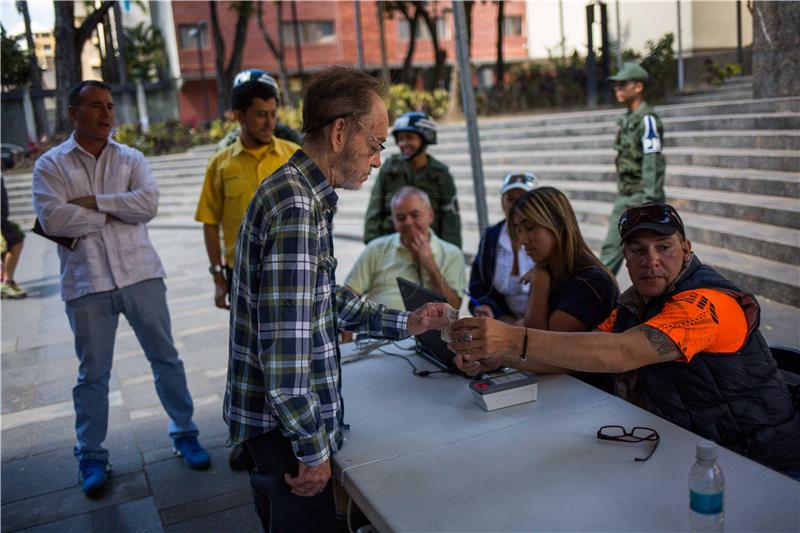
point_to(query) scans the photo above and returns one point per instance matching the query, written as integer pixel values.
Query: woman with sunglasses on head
(496, 287)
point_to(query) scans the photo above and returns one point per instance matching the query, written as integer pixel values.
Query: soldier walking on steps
(640, 163)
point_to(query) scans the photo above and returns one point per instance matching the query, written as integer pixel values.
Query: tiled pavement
(150, 488)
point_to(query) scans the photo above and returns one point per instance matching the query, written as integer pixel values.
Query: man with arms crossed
(283, 398)
(103, 192)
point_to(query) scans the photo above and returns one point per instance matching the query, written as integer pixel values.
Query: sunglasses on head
(527, 179)
(653, 213)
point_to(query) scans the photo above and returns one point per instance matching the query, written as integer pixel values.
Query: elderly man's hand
(479, 338)
(310, 480)
(429, 316)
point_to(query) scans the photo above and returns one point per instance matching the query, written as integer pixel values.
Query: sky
(41, 11)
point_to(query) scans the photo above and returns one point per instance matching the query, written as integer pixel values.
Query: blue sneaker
(193, 454)
(93, 475)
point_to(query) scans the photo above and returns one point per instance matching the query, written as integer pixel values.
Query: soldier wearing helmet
(413, 166)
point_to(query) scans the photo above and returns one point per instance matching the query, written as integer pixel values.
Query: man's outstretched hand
(429, 316)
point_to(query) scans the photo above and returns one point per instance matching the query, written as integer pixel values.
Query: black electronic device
(431, 345)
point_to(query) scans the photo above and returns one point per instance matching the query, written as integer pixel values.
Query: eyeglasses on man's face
(637, 434)
(380, 147)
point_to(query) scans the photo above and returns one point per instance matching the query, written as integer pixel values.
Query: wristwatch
(215, 269)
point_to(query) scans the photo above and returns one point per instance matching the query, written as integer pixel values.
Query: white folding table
(421, 456)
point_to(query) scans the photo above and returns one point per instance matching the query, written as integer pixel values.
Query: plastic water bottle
(706, 490)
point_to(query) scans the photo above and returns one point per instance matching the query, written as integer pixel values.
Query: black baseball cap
(661, 218)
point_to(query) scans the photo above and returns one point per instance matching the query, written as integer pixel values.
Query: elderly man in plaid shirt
(282, 398)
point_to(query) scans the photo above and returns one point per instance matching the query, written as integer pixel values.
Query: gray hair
(406, 191)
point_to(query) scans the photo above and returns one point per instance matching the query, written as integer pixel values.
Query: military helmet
(261, 76)
(419, 123)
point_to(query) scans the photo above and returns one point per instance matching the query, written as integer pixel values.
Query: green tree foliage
(145, 53)
(15, 70)
(659, 61)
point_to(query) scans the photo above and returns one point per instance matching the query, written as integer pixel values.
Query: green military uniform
(435, 179)
(640, 165)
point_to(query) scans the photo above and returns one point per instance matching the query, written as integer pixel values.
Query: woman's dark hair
(73, 97)
(338, 92)
(242, 95)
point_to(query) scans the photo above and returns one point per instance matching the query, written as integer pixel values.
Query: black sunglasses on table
(637, 434)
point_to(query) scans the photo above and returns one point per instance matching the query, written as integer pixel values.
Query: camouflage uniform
(640, 173)
(435, 179)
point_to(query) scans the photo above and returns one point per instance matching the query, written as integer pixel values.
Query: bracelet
(524, 355)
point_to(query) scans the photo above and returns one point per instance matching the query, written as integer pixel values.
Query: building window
(442, 29)
(187, 35)
(311, 32)
(512, 26)
(46, 47)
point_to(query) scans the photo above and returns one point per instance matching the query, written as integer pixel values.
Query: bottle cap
(706, 450)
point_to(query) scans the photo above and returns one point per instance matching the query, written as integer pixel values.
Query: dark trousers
(280, 510)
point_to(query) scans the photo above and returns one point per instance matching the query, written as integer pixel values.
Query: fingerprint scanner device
(431, 345)
(504, 388)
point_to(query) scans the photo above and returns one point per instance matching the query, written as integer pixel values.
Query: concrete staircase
(733, 171)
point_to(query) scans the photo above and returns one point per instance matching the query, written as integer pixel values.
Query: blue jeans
(94, 320)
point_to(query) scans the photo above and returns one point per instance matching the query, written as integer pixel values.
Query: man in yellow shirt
(234, 173)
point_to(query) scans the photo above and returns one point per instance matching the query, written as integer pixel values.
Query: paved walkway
(150, 490)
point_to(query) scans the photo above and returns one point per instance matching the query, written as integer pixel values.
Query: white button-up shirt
(109, 255)
(506, 283)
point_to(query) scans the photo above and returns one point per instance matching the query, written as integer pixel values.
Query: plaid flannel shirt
(283, 365)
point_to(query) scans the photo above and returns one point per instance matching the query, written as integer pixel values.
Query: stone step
(712, 96)
(186, 187)
(752, 238)
(611, 114)
(772, 210)
(776, 160)
(747, 139)
(783, 120)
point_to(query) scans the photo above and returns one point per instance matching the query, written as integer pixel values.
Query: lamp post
(197, 33)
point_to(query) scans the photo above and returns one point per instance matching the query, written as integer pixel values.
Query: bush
(717, 74)
(660, 63)
(292, 116)
(402, 98)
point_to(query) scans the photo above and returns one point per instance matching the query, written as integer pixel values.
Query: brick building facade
(328, 37)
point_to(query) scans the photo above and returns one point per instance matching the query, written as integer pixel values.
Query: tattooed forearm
(663, 345)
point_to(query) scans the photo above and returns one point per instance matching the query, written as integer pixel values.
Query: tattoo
(664, 346)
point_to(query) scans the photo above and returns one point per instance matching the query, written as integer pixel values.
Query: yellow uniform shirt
(232, 177)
